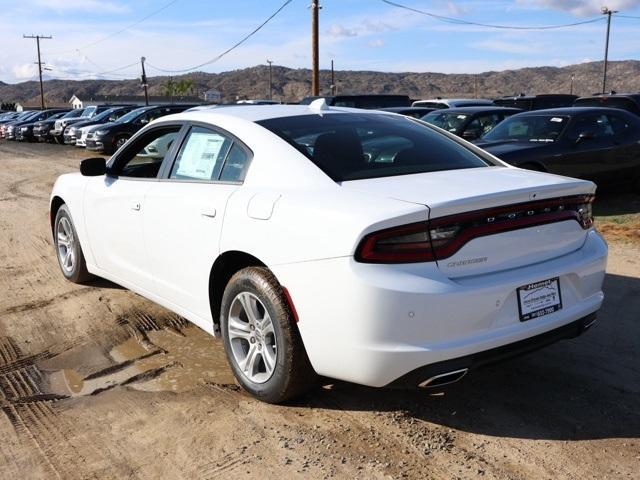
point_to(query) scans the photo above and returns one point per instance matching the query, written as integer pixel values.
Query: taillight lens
(442, 237)
(405, 244)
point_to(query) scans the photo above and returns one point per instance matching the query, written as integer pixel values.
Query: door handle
(135, 206)
(209, 212)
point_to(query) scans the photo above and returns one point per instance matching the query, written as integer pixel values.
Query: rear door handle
(135, 206)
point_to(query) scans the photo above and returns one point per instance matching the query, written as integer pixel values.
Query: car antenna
(319, 105)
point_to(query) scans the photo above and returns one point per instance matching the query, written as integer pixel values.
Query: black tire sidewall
(254, 281)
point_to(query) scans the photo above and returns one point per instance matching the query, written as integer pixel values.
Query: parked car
(82, 115)
(415, 112)
(72, 132)
(537, 102)
(598, 144)
(368, 102)
(8, 116)
(35, 116)
(7, 128)
(469, 123)
(626, 101)
(111, 136)
(394, 254)
(438, 102)
(26, 132)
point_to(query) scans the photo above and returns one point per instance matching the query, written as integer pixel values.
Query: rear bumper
(373, 324)
(495, 355)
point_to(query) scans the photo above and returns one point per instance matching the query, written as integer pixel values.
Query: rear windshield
(371, 102)
(451, 122)
(354, 146)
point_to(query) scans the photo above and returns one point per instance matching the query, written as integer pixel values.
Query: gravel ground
(97, 382)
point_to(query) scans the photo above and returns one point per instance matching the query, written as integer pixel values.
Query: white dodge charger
(358, 245)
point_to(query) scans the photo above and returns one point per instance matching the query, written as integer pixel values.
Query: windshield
(105, 114)
(354, 146)
(451, 122)
(528, 128)
(89, 112)
(131, 115)
(73, 113)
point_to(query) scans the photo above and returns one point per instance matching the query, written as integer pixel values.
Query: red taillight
(442, 237)
(405, 244)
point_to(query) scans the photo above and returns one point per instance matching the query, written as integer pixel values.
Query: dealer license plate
(538, 299)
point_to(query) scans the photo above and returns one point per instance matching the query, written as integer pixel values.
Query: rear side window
(356, 146)
(201, 156)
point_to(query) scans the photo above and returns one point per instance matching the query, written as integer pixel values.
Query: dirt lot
(96, 382)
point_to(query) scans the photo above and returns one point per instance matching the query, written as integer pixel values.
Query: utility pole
(475, 85)
(270, 80)
(143, 81)
(315, 69)
(333, 79)
(38, 37)
(608, 13)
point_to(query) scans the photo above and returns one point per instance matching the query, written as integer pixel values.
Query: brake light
(442, 237)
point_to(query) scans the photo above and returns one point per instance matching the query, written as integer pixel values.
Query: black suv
(25, 133)
(72, 132)
(111, 136)
(537, 102)
(36, 116)
(626, 101)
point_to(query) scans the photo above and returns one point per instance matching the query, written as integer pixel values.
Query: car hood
(456, 191)
(506, 148)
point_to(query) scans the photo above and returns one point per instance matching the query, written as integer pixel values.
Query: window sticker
(200, 155)
(557, 119)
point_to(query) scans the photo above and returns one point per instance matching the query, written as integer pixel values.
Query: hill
(293, 84)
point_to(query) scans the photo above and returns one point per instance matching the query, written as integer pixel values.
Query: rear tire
(68, 250)
(261, 340)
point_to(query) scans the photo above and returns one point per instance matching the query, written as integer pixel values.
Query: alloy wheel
(65, 242)
(252, 337)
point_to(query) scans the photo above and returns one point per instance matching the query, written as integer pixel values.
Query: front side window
(354, 146)
(145, 157)
(595, 126)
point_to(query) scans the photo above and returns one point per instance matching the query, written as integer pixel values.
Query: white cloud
(24, 71)
(340, 31)
(376, 43)
(81, 5)
(583, 7)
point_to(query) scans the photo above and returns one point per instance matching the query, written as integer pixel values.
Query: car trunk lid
(518, 217)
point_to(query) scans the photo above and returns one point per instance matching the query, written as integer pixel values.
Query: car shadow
(579, 389)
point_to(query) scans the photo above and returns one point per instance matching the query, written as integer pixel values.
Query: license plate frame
(538, 299)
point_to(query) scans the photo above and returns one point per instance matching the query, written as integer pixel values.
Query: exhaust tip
(444, 378)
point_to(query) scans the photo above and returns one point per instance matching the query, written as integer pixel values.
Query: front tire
(261, 340)
(68, 250)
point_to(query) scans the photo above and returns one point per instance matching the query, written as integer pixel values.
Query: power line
(111, 35)
(460, 21)
(215, 59)
(628, 16)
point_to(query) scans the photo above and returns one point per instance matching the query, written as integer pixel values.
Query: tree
(169, 88)
(184, 86)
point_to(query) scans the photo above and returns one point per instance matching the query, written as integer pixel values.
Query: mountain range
(291, 85)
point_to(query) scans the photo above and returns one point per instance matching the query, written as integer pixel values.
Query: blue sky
(358, 34)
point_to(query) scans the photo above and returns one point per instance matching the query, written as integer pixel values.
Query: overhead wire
(459, 21)
(230, 49)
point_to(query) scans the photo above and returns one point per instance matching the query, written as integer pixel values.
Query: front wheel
(261, 340)
(68, 250)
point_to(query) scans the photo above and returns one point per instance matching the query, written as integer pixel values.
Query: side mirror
(584, 136)
(93, 167)
(471, 134)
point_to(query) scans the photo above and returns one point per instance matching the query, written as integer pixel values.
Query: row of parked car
(595, 138)
(101, 129)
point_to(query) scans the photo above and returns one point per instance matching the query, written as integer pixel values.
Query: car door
(114, 205)
(588, 149)
(185, 213)
(625, 163)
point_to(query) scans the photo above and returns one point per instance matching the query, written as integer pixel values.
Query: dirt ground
(96, 382)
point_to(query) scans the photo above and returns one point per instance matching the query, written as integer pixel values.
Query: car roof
(478, 109)
(257, 113)
(569, 111)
